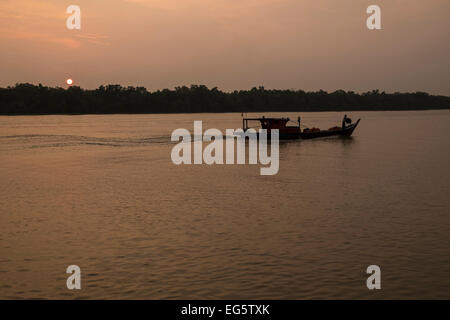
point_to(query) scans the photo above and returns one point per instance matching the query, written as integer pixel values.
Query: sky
(230, 44)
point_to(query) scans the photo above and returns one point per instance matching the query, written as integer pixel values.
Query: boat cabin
(270, 123)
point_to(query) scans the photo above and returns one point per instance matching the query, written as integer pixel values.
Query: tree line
(29, 99)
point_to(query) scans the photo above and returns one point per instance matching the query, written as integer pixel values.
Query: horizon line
(210, 88)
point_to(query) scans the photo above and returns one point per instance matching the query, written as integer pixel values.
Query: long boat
(287, 132)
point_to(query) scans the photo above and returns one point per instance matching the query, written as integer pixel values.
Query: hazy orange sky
(231, 44)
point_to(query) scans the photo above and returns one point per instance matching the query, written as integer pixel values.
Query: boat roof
(263, 118)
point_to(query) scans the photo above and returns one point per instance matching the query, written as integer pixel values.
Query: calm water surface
(101, 192)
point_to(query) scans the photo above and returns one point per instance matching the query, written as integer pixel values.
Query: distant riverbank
(28, 99)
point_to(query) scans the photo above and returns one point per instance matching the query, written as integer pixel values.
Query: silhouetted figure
(344, 121)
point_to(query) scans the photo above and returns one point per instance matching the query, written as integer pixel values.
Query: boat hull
(346, 132)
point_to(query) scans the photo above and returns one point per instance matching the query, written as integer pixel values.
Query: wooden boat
(287, 132)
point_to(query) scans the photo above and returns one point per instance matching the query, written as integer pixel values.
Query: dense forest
(38, 99)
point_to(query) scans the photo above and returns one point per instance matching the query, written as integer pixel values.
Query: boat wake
(33, 141)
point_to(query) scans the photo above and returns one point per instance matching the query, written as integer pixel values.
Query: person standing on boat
(343, 122)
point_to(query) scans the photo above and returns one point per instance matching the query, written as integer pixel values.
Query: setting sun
(69, 82)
